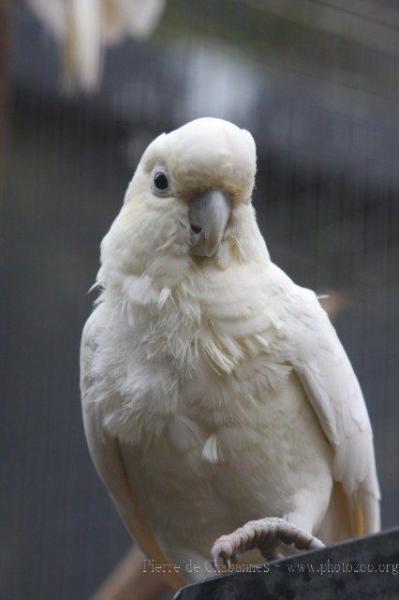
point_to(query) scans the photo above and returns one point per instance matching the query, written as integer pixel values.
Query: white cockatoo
(220, 409)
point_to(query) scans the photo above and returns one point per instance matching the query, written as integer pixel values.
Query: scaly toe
(264, 534)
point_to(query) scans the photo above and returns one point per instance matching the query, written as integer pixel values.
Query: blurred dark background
(317, 83)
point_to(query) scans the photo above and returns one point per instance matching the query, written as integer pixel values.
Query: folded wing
(106, 455)
(335, 395)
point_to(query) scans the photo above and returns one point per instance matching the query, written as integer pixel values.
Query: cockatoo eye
(160, 182)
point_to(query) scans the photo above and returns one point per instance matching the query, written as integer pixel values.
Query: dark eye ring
(161, 181)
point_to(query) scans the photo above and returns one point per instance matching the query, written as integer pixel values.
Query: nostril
(195, 228)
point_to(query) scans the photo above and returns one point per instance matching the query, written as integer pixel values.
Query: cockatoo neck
(174, 303)
(144, 271)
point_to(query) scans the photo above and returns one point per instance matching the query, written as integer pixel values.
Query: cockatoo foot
(264, 534)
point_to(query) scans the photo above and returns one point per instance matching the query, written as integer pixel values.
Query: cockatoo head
(188, 200)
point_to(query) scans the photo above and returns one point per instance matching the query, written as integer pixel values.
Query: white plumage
(215, 391)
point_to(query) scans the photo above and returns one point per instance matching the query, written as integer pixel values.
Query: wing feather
(335, 395)
(107, 457)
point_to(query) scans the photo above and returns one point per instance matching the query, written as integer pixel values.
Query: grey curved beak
(208, 214)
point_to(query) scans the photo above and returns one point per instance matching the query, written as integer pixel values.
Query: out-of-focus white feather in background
(84, 28)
